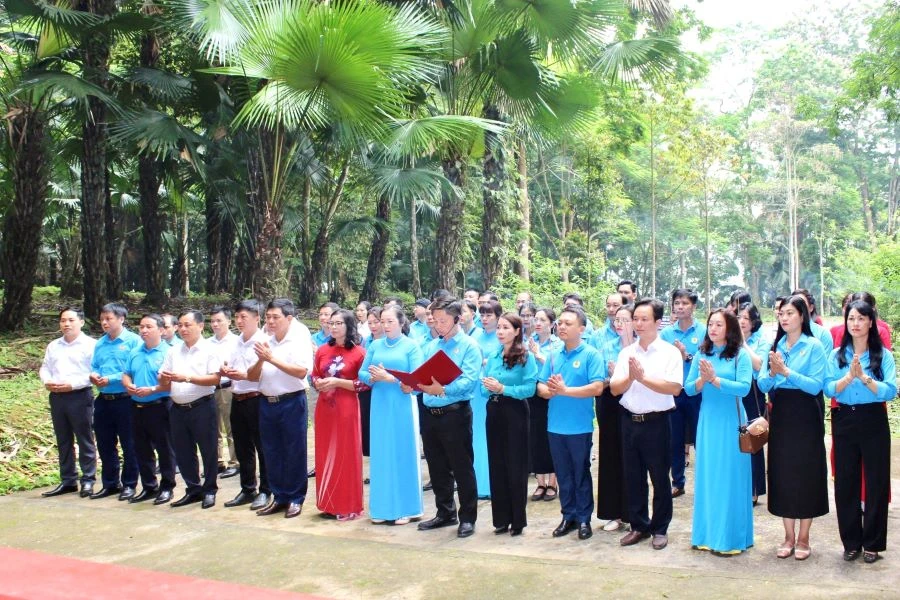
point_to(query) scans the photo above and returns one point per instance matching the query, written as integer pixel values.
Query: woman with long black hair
(757, 346)
(542, 345)
(862, 376)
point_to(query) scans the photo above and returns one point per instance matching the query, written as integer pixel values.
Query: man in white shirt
(65, 373)
(648, 375)
(284, 362)
(245, 408)
(191, 372)
(223, 343)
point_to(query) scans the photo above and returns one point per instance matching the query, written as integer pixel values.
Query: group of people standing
(532, 383)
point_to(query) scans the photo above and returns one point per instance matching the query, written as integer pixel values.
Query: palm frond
(163, 85)
(37, 13)
(158, 134)
(630, 61)
(67, 85)
(423, 136)
(218, 25)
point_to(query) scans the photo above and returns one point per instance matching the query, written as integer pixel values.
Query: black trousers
(152, 434)
(112, 426)
(646, 448)
(447, 441)
(507, 444)
(862, 436)
(247, 444)
(365, 410)
(72, 414)
(194, 428)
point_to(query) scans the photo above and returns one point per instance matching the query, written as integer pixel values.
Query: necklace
(389, 345)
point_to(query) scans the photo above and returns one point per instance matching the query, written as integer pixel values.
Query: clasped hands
(708, 372)
(493, 385)
(777, 365)
(379, 373)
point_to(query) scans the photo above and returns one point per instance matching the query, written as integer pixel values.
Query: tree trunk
(378, 254)
(450, 224)
(111, 238)
(493, 219)
(152, 226)
(180, 282)
(267, 278)
(213, 243)
(22, 225)
(866, 205)
(416, 287)
(227, 241)
(524, 247)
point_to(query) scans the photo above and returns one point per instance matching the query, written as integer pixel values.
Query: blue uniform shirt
(320, 338)
(111, 357)
(420, 333)
(569, 415)
(143, 367)
(857, 392)
(806, 363)
(691, 338)
(467, 355)
(603, 336)
(518, 382)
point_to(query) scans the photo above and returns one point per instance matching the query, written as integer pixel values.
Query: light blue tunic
(489, 345)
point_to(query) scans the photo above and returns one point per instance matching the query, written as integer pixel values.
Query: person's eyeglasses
(526, 315)
(335, 323)
(621, 321)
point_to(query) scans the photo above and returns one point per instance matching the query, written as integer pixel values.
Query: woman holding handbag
(793, 374)
(757, 346)
(862, 376)
(722, 372)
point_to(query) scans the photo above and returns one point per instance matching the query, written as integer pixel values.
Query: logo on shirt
(694, 340)
(576, 364)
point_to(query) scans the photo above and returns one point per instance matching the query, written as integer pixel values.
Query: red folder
(440, 366)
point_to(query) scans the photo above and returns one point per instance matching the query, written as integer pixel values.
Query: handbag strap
(737, 400)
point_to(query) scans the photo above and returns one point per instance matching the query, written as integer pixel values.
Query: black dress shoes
(146, 494)
(851, 555)
(60, 490)
(271, 509)
(229, 472)
(241, 499)
(87, 488)
(186, 499)
(106, 492)
(515, 531)
(633, 537)
(501, 530)
(584, 531)
(437, 522)
(163, 497)
(465, 530)
(261, 500)
(427, 487)
(293, 510)
(209, 500)
(565, 528)
(127, 493)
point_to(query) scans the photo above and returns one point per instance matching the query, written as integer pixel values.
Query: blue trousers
(683, 422)
(282, 431)
(112, 427)
(572, 462)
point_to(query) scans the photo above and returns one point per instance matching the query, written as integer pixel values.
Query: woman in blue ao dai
(486, 339)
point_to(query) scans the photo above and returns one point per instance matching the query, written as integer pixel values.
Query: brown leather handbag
(752, 436)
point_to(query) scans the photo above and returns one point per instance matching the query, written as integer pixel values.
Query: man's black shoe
(187, 499)
(565, 528)
(144, 495)
(437, 523)
(105, 492)
(60, 490)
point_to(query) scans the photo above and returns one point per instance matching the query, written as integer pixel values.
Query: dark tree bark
(22, 225)
(493, 219)
(226, 252)
(378, 253)
(213, 243)
(450, 224)
(524, 245)
(267, 217)
(112, 239)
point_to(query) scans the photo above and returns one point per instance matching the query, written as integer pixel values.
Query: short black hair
(491, 306)
(476, 290)
(866, 297)
(685, 293)
(169, 320)
(283, 304)
(739, 297)
(158, 319)
(573, 296)
(491, 295)
(440, 293)
(449, 305)
(423, 302)
(251, 305)
(657, 306)
(75, 309)
(333, 306)
(575, 310)
(116, 308)
(629, 283)
(196, 315)
(393, 299)
(220, 309)
(753, 313)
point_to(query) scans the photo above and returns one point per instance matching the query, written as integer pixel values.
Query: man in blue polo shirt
(150, 413)
(447, 422)
(570, 379)
(419, 330)
(607, 334)
(686, 334)
(112, 407)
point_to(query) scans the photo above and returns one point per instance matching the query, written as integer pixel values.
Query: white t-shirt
(295, 348)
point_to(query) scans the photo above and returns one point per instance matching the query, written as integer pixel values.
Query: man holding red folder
(447, 422)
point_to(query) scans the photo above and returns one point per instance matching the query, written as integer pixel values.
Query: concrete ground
(358, 559)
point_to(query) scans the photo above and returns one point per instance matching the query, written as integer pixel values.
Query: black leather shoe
(515, 531)
(229, 472)
(186, 499)
(565, 528)
(261, 500)
(127, 493)
(145, 494)
(271, 509)
(105, 492)
(87, 488)
(60, 490)
(501, 530)
(293, 510)
(850, 555)
(241, 499)
(465, 530)
(163, 497)
(209, 500)
(427, 487)
(437, 522)
(584, 531)
(311, 473)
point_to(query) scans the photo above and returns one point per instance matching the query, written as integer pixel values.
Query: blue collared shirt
(691, 337)
(488, 342)
(320, 337)
(143, 367)
(420, 333)
(760, 346)
(734, 376)
(518, 382)
(857, 392)
(467, 355)
(569, 415)
(823, 335)
(110, 358)
(805, 362)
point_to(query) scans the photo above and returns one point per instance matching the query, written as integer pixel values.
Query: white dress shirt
(661, 360)
(242, 358)
(66, 362)
(295, 348)
(222, 349)
(197, 360)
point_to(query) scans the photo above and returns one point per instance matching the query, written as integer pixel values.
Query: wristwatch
(187, 379)
(689, 358)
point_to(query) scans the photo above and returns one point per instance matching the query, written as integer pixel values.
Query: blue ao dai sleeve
(364, 374)
(690, 384)
(812, 380)
(527, 376)
(743, 375)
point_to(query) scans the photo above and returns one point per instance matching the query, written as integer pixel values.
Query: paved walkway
(357, 559)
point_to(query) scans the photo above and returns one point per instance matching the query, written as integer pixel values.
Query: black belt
(282, 397)
(863, 406)
(150, 403)
(113, 396)
(78, 391)
(437, 411)
(224, 386)
(246, 396)
(650, 416)
(194, 404)
(502, 398)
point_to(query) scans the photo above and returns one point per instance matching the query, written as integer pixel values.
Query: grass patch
(28, 456)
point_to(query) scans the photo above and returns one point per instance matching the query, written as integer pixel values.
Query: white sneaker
(612, 525)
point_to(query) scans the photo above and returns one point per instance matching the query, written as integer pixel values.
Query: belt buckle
(638, 418)
(272, 399)
(437, 411)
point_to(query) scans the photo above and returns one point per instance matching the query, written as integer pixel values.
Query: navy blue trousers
(684, 429)
(112, 427)
(282, 431)
(194, 428)
(152, 439)
(572, 462)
